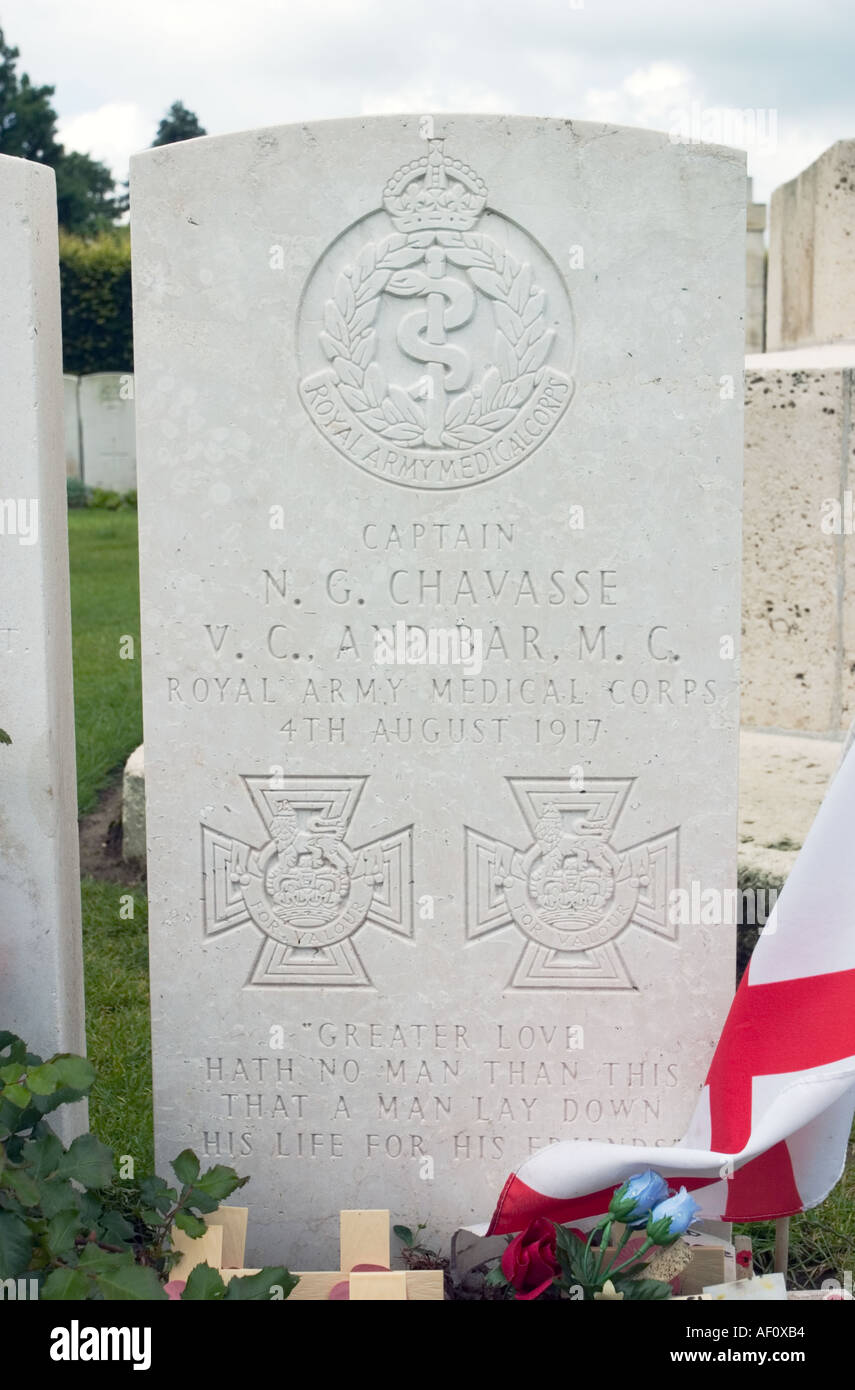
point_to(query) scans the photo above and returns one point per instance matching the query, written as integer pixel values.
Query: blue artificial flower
(669, 1219)
(632, 1203)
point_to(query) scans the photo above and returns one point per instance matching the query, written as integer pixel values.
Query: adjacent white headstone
(440, 471)
(133, 806)
(107, 426)
(41, 976)
(755, 275)
(71, 416)
(798, 669)
(811, 280)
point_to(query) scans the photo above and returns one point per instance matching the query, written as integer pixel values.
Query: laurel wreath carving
(521, 346)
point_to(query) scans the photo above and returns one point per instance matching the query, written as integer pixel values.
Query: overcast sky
(118, 64)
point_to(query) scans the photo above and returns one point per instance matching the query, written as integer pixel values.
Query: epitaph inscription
(447, 339)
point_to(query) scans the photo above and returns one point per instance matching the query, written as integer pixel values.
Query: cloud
(267, 62)
(111, 133)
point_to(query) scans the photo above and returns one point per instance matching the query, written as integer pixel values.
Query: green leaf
(23, 1185)
(127, 1282)
(64, 1284)
(17, 1049)
(42, 1155)
(203, 1282)
(573, 1256)
(88, 1161)
(61, 1231)
(58, 1195)
(496, 1276)
(154, 1192)
(191, 1225)
(186, 1167)
(75, 1072)
(636, 1289)
(114, 1228)
(12, 1071)
(42, 1080)
(16, 1245)
(17, 1095)
(219, 1182)
(91, 1209)
(199, 1201)
(405, 1234)
(265, 1285)
(96, 1261)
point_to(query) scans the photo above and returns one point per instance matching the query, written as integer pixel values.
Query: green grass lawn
(108, 722)
(104, 610)
(115, 950)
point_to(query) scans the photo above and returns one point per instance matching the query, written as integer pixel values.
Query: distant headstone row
(100, 444)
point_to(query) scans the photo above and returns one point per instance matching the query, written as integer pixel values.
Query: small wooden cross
(363, 1240)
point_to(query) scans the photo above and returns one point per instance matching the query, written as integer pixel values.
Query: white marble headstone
(71, 419)
(106, 403)
(41, 972)
(440, 461)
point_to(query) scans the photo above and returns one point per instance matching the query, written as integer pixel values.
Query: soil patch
(101, 840)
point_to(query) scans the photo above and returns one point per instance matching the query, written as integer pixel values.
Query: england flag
(769, 1134)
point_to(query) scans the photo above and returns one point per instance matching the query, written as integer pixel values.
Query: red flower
(529, 1262)
(743, 1258)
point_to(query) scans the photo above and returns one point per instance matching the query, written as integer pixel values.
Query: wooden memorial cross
(363, 1241)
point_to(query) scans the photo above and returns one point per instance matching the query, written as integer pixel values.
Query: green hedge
(95, 275)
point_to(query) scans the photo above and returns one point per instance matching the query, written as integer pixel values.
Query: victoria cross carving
(303, 885)
(571, 891)
(436, 336)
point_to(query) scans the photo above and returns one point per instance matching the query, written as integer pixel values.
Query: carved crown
(435, 193)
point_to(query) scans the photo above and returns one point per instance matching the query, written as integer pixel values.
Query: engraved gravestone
(41, 959)
(106, 404)
(439, 450)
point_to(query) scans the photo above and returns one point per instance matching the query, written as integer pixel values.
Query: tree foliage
(28, 130)
(95, 275)
(178, 124)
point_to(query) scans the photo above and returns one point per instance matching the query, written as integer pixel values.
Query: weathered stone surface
(782, 781)
(811, 279)
(798, 557)
(381, 970)
(133, 806)
(106, 406)
(41, 977)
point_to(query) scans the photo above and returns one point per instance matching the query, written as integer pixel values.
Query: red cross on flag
(769, 1134)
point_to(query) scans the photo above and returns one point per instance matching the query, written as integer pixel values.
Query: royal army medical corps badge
(435, 336)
